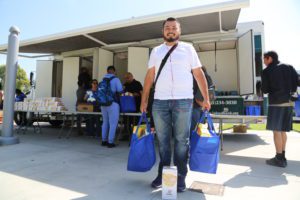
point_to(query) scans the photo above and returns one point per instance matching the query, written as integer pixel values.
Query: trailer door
(138, 62)
(69, 82)
(246, 73)
(44, 69)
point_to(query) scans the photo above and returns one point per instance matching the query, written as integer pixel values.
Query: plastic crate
(253, 110)
(297, 107)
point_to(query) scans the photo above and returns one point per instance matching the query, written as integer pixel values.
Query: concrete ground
(45, 167)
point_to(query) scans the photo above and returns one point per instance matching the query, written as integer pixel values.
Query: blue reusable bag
(142, 155)
(127, 104)
(204, 151)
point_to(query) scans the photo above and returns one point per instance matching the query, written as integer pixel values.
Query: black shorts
(280, 118)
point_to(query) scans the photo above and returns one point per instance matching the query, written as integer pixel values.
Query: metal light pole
(7, 136)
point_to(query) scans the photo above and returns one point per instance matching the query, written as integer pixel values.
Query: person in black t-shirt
(134, 87)
(85, 78)
(80, 94)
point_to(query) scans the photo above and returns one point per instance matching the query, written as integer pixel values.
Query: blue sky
(39, 18)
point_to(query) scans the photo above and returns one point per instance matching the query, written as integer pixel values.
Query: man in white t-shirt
(173, 98)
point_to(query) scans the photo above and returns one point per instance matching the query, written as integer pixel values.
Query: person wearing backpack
(198, 99)
(108, 92)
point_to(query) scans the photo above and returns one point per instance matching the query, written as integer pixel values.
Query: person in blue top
(111, 113)
(20, 96)
(20, 117)
(93, 121)
(1, 97)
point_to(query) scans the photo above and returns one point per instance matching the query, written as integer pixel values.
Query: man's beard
(171, 39)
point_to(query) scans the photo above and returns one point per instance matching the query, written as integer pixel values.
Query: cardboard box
(169, 183)
(241, 128)
(61, 108)
(84, 107)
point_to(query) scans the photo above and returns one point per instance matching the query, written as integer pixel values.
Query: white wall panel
(121, 67)
(44, 69)
(95, 63)
(106, 59)
(69, 82)
(138, 62)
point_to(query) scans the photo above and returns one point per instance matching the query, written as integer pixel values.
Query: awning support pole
(94, 39)
(220, 23)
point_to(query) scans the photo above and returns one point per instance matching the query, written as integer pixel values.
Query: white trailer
(231, 52)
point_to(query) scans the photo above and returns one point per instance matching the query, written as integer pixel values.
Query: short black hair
(18, 91)
(111, 68)
(170, 19)
(273, 55)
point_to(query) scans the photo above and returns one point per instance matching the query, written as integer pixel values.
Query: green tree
(22, 82)
(2, 76)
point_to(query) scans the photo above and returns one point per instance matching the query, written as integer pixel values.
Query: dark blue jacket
(20, 97)
(279, 81)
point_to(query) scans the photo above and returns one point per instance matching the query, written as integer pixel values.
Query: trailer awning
(209, 18)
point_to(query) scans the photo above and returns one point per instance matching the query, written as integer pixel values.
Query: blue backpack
(105, 96)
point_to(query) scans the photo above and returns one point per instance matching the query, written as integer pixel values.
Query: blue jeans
(196, 113)
(173, 117)
(110, 116)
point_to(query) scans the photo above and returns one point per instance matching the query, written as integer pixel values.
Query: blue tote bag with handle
(204, 151)
(127, 104)
(142, 155)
